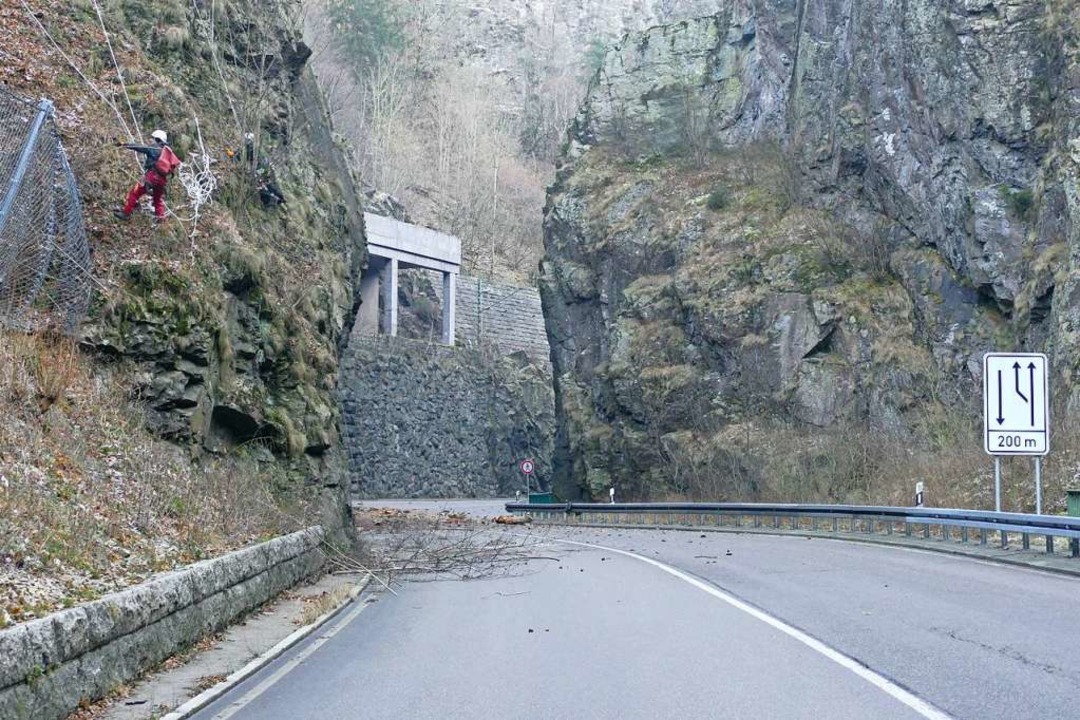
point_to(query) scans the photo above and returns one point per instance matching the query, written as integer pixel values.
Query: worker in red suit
(159, 162)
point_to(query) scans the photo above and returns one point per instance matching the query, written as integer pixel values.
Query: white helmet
(160, 135)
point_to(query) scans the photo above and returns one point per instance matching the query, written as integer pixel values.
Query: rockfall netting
(44, 255)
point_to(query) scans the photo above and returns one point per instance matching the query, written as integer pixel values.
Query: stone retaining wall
(508, 316)
(425, 420)
(49, 666)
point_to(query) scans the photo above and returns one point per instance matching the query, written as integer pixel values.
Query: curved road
(720, 626)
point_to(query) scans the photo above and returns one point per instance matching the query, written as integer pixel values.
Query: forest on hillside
(459, 110)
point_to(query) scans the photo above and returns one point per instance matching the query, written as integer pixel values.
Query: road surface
(780, 627)
(481, 507)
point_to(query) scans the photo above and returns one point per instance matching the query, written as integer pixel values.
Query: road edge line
(200, 701)
(917, 704)
(957, 552)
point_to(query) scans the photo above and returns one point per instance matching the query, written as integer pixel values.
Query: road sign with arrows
(1016, 404)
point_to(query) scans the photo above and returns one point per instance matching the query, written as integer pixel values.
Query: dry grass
(860, 464)
(89, 501)
(317, 606)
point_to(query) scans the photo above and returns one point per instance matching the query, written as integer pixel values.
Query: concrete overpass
(392, 246)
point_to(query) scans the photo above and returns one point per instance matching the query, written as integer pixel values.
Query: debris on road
(513, 519)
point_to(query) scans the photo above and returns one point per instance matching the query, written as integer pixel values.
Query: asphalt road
(480, 507)
(615, 637)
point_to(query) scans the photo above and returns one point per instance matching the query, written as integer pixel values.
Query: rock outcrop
(231, 327)
(818, 214)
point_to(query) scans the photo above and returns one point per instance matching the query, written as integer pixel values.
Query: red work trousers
(155, 185)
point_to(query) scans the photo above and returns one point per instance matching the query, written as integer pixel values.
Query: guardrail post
(1025, 541)
(1004, 538)
(964, 534)
(836, 524)
(926, 530)
(907, 528)
(1049, 544)
(982, 536)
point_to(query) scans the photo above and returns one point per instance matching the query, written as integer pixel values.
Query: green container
(1073, 499)
(541, 498)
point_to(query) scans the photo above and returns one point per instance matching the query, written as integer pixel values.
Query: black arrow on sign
(999, 418)
(1016, 371)
(1031, 370)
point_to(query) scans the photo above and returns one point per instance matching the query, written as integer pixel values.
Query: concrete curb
(209, 695)
(991, 556)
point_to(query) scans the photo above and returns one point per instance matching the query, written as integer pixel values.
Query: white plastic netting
(198, 179)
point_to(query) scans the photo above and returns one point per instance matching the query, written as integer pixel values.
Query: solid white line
(211, 694)
(914, 702)
(282, 671)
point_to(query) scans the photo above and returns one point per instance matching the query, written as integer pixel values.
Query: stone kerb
(49, 666)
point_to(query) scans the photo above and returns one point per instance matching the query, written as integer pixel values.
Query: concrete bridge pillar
(390, 297)
(449, 314)
(367, 317)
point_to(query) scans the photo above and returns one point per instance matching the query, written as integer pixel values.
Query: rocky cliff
(238, 349)
(199, 409)
(792, 229)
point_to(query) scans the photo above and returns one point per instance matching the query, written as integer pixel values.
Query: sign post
(1038, 485)
(527, 467)
(1016, 413)
(997, 483)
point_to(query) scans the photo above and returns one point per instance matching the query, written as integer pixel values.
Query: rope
(198, 180)
(211, 39)
(79, 72)
(196, 176)
(116, 65)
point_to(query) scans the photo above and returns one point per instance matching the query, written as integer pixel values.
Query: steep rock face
(820, 211)
(233, 328)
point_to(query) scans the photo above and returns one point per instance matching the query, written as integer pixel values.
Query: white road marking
(284, 670)
(917, 704)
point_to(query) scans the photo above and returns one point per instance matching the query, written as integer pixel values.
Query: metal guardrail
(941, 524)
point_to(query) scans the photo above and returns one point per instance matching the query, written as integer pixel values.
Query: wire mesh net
(44, 254)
